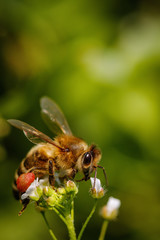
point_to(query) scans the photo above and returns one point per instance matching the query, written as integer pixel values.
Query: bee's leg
(72, 174)
(51, 173)
(36, 168)
(95, 175)
(25, 203)
(79, 180)
(105, 175)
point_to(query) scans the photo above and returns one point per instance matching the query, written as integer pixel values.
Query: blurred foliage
(100, 61)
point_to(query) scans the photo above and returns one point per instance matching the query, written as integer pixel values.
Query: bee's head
(89, 160)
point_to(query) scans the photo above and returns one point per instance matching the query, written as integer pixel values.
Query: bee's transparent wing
(54, 117)
(31, 133)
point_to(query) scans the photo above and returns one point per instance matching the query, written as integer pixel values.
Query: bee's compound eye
(87, 158)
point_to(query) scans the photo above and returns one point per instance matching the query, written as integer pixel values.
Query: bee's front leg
(73, 173)
(51, 173)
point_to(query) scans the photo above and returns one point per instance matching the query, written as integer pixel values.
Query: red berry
(24, 181)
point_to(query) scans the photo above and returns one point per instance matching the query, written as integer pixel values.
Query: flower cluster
(60, 199)
(47, 197)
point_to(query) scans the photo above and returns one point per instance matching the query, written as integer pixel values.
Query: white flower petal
(92, 181)
(111, 209)
(97, 191)
(43, 182)
(98, 186)
(24, 195)
(113, 204)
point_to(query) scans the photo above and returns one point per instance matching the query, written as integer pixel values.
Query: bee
(65, 154)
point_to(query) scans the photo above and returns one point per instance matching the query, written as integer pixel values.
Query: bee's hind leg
(25, 202)
(51, 174)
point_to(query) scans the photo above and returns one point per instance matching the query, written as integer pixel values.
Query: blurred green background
(100, 61)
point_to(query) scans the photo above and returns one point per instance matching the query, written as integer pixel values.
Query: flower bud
(111, 209)
(61, 191)
(48, 191)
(71, 187)
(36, 194)
(52, 200)
(97, 191)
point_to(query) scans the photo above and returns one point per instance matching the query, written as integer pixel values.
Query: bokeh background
(100, 61)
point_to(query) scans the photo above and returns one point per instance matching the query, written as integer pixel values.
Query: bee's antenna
(105, 175)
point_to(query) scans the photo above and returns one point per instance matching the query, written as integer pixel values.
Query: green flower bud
(36, 194)
(61, 191)
(71, 187)
(52, 200)
(48, 191)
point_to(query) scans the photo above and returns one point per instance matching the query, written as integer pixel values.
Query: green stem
(68, 218)
(70, 226)
(72, 210)
(49, 229)
(87, 220)
(103, 230)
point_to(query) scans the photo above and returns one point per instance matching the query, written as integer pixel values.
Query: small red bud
(24, 181)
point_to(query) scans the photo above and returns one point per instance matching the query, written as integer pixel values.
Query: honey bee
(65, 154)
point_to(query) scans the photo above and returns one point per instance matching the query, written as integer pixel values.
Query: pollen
(24, 181)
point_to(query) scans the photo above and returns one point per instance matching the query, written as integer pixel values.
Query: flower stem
(49, 229)
(87, 220)
(70, 226)
(103, 230)
(72, 210)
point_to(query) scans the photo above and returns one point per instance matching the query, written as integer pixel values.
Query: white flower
(97, 191)
(113, 204)
(110, 210)
(98, 186)
(34, 191)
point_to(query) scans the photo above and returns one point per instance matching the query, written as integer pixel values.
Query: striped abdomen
(36, 161)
